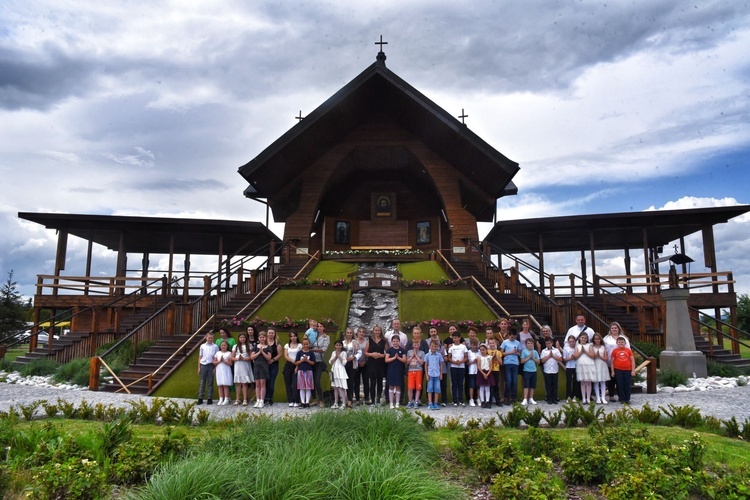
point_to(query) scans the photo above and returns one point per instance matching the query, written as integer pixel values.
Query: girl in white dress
(223, 362)
(243, 372)
(338, 374)
(585, 366)
(602, 368)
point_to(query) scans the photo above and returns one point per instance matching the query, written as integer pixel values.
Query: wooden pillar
(121, 266)
(594, 277)
(144, 273)
(171, 259)
(646, 262)
(628, 289)
(541, 262)
(709, 252)
(583, 273)
(89, 253)
(62, 248)
(227, 272)
(219, 268)
(186, 280)
(94, 370)
(271, 252)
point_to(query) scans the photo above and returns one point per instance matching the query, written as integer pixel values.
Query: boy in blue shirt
(433, 360)
(510, 349)
(529, 360)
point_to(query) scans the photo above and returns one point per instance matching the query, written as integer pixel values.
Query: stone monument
(680, 354)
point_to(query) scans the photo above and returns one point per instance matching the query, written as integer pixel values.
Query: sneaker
(455, 404)
(335, 406)
(443, 405)
(210, 402)
(478, 402)
(291, 405)
(471, 402)
(462, 403)
(392, 406)
(532, 401)
(409, 405)
(604, 401)
(200, 402)
(296, 405)
(261, 404)
(524, 402)
(397, 404)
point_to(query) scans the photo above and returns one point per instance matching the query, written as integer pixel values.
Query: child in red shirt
(623, 370)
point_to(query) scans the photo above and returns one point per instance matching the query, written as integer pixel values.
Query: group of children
(586, 364)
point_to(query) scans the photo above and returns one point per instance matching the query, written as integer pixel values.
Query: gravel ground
(720, 403)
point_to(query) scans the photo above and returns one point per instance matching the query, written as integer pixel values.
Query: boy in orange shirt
(623, 370)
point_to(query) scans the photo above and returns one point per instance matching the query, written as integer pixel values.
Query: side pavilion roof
(152, 234)
(615, 231)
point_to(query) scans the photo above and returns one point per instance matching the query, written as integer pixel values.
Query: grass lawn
(331, 270)
(427, 270)
(420, 305)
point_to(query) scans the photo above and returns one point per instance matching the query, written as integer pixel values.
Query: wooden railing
(97, 362)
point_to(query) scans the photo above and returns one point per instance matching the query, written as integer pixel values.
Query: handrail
(258, 295)
(157, 370)
(719, 333)
(498, 304)
(724, 323)
(600, 320)
(134, 296)
(447, 263)
(313, 258)
(136, 329)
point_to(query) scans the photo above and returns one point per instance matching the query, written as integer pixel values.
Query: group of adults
(362, 355)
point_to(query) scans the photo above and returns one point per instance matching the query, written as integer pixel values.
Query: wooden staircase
(614, 310)
(720, 354)
(168, 344)
(513, 304)
(67, 347)
(151, 360)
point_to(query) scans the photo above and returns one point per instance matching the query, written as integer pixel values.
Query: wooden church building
(380, 167)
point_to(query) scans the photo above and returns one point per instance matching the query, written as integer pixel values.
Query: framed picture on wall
(423, 232)
(383, 206)
(341, 232)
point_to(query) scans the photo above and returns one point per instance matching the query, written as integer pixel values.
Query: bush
(722, 370)
(687, 416)
(650, 349)
(8, 366)
(74, 478)
(671, 378)
(75, 372)
(39, 368)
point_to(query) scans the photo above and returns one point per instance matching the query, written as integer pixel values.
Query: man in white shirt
(579, 328)
(396, 330)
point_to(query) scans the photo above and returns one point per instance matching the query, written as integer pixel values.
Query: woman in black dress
(376, 363)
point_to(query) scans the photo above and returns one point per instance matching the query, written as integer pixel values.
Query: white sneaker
(261, 404)
(392, 407)
(221, 402)
(532, 401)
(479, 403)
(335, 406)
(398, 404)
(524, 402)
(604, 401)
(257, 404)
(296, 405)
(471, 402)
(291, 405)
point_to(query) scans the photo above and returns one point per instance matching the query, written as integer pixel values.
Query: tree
(743, 312)
(12, 308)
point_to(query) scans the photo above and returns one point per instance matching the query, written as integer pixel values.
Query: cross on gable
(300, 117)
(381, 43)
(462, 116)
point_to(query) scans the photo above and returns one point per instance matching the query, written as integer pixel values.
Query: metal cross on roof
(462, 116)
(381, 43)
(300, 117)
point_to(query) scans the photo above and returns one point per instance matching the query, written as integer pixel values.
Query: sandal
(236, 403)
(244, 403)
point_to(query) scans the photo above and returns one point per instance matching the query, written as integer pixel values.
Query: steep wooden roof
(152, 234)
(379, 90)
(613, 231)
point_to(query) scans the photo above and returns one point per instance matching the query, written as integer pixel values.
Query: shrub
(75, 372)
(671, 378)
(74, 478)
(427, 420)
(646, 415)
(721, 370)
(554, 418)
(514, 417)
(650, 349)
(8, 366)
(537, 442)
(525, 484)
(585, 463)
(687, 416)
(39, 368)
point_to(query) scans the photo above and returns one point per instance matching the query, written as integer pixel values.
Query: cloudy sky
(149, 107)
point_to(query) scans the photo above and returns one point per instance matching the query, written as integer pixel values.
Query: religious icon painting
(423, 233)
(341, 232)
(384, 205)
